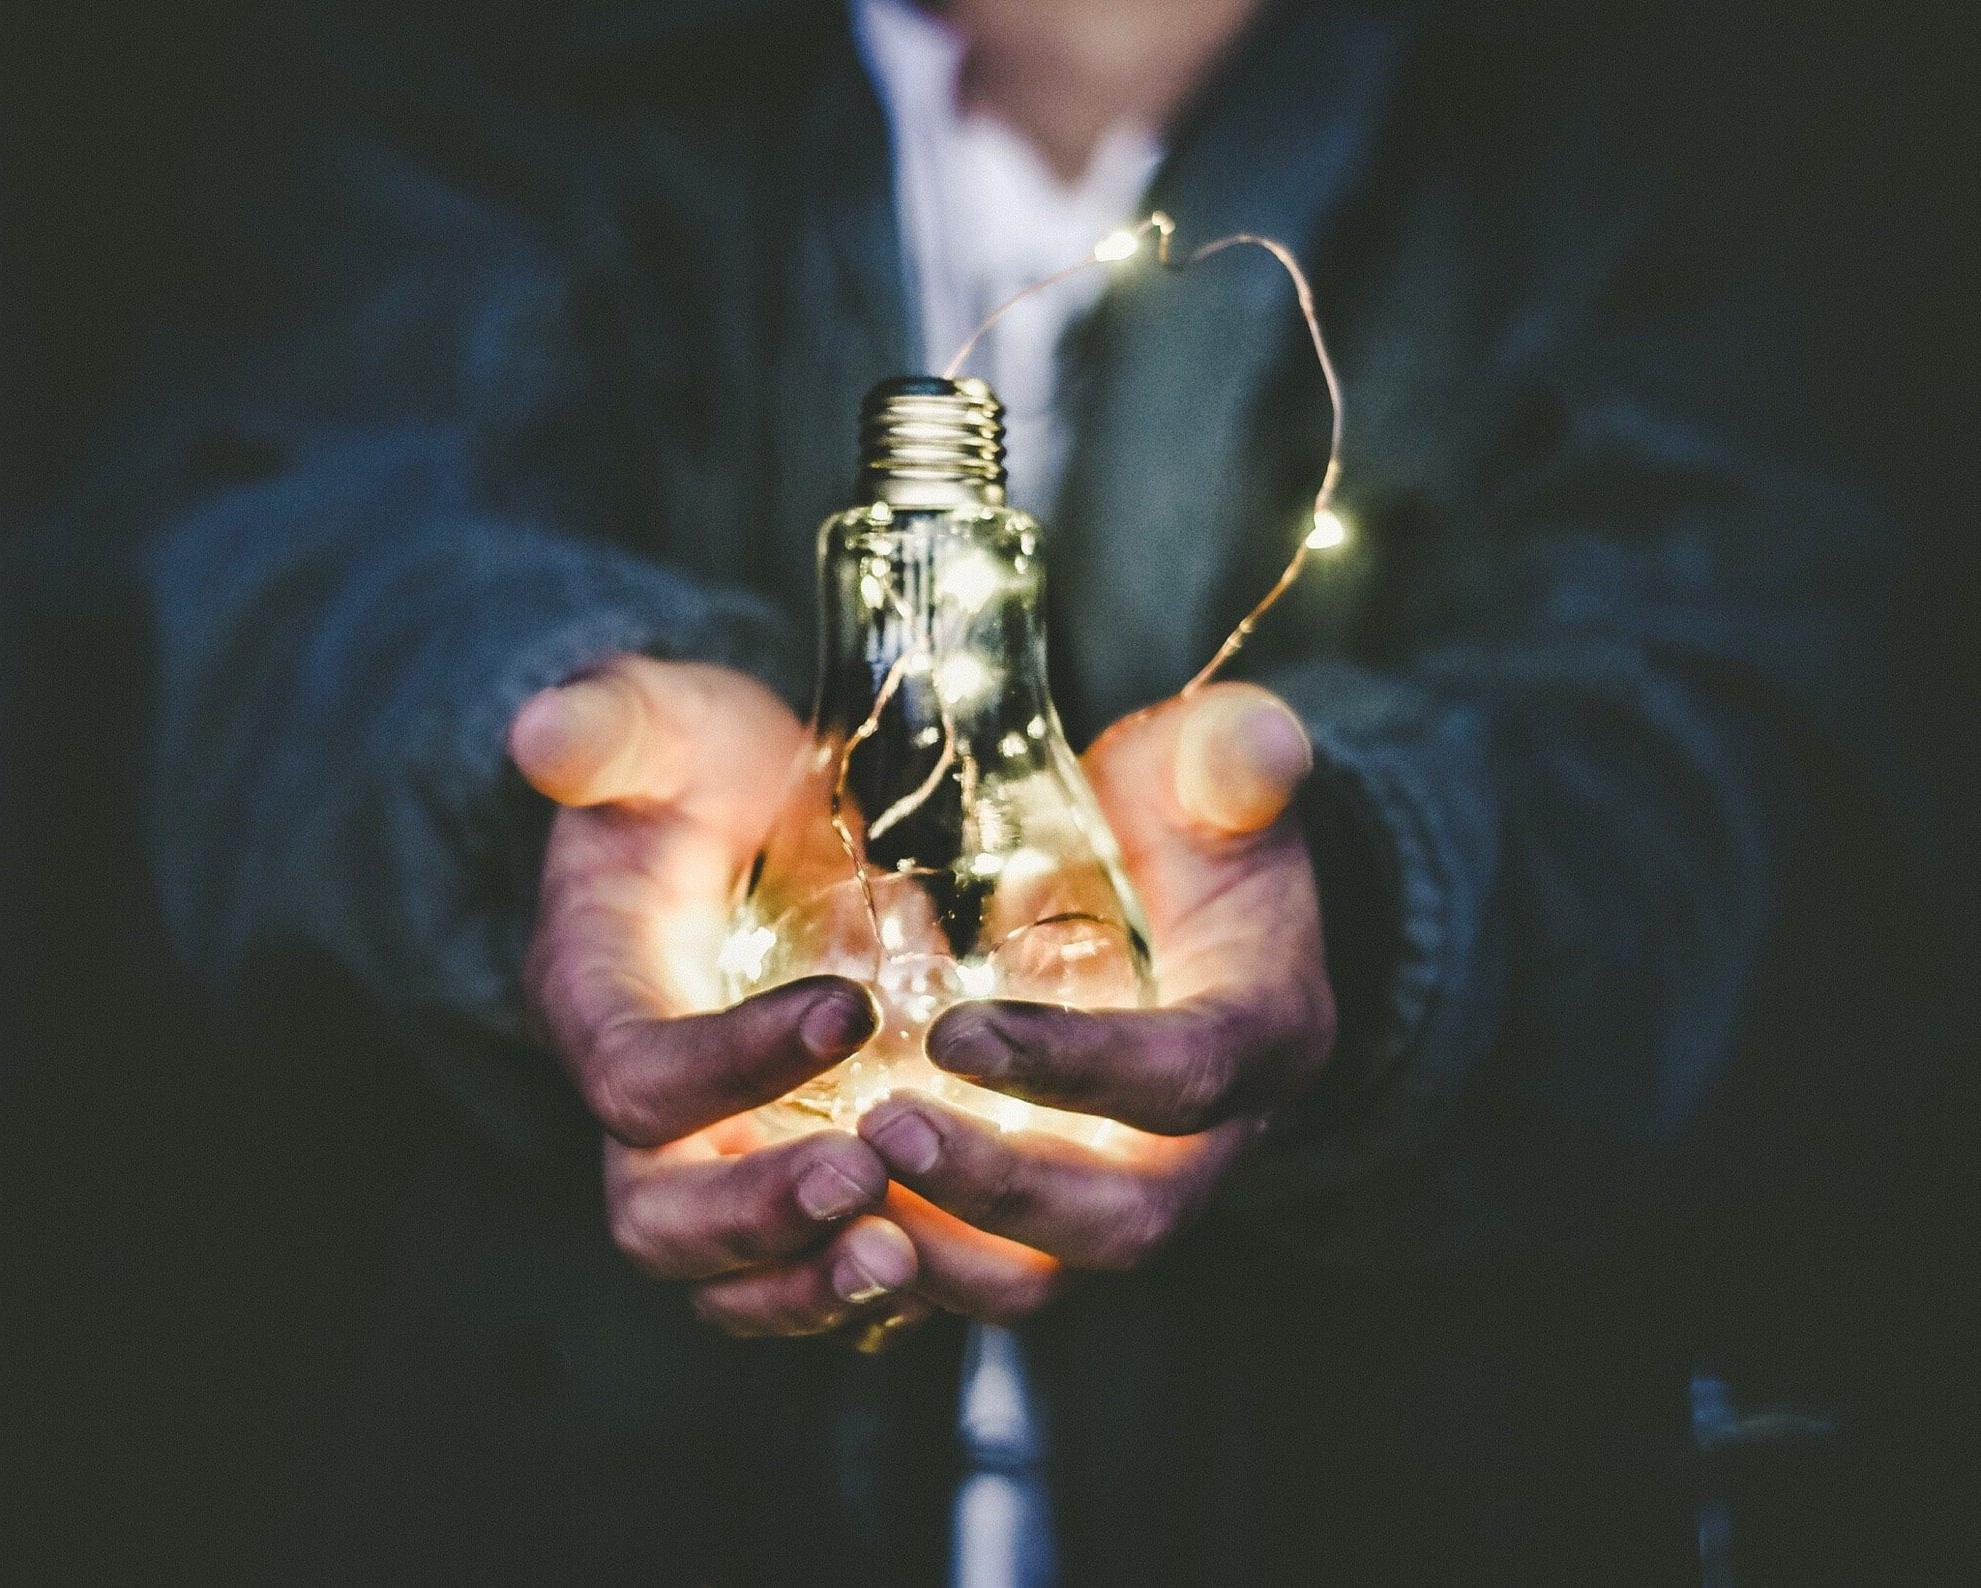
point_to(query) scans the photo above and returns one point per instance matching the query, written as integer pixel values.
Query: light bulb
(1329, 531)
(1117, 245)
(942, 842)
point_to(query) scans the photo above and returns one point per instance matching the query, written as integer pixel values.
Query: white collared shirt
(982, 214)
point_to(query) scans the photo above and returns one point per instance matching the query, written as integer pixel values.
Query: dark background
(193, 1226)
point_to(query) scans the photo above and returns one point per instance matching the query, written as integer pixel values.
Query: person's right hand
(668, 774)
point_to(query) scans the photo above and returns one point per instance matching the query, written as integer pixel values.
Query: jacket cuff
(577, 605)
(1400, 818)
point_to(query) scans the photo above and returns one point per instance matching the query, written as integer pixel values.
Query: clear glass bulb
(939, 841)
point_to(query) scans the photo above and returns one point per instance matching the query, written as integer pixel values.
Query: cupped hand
(1196, 791)
(667, 775)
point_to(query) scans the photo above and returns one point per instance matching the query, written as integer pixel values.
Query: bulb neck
(928, 442)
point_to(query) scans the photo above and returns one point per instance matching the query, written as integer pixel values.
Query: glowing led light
(1328, 532)
(872, 591)
(1036, 728)
(1023, 867)
(969, 579)
(891, 935)
(976, 978)
(743, 953)
(962, 678)
(1012, 744)
(1009, 1113)
(986, 865)
(1120, 244)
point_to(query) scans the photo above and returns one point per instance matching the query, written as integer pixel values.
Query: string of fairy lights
(1327, 529)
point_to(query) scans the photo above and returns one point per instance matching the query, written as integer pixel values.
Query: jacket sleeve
(372, 531)
(1562, 813)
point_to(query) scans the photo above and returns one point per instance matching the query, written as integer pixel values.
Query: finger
(1222, 762)
(679, 1217)
(972, 1272)
(1196, 790)
(653, 1080)
(1170, 1071)
(647, 733)
(606, 737)
(868, 1261)
(1088, 1208)
(1240, 755)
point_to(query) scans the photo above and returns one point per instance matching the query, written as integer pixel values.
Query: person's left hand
(1196, 791)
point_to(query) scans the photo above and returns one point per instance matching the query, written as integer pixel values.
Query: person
(480, 567)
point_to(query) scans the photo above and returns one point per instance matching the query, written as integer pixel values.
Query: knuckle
(715, 1314)
(609, 1088)
(635, 1238)
(1142, 1230)
(1006, 1197)
(538, 960)
(556, 979)
(1198, 1087)
(753, 1238)
(604, 1089)
(995, 1196)
(628, 1234)
(1023, 1296)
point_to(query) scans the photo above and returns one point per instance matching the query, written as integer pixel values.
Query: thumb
(604, 738)
(1240, 755)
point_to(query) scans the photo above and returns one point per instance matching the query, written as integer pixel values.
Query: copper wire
(1118, 246)
(917, 648)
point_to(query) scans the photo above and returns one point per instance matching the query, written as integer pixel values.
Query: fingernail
(909, 1143)
(546, 730)
(826, 1191)
(836, 1025)
(868, 1270)
(966, 1042)
(1241, 755)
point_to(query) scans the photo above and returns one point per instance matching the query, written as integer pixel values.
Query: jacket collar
(843, 320)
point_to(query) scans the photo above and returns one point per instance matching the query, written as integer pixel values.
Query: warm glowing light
(1027, 866)
(1008, 1113)
(1117, 245)
(743, 953)
(1328, 532)
(969, 579)
(962, 678)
